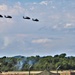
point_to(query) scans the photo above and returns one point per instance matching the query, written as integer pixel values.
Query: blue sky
(53, 34)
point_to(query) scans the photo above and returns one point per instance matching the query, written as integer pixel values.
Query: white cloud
(17, 9)
(55, 27)
(68, 25)
(6, 41)
(12, 10)
(11, 40)
(44, 3)
(3, 7)
(32, 8)
(34, 3)
(41, 41)
(7, 24)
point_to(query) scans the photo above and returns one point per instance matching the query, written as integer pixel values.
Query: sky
(53, 34)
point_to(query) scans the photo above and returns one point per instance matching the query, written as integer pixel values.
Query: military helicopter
(1, 16)
(35, 20)
(7, 16)
(26, 17)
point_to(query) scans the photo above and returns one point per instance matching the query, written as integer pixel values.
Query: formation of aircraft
(8, 16)
(5, 16)
(30, 18)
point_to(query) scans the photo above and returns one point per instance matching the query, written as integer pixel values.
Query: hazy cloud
(41, 41)
(68, 25)
(6, 41)
(44, 3)
(3, 7)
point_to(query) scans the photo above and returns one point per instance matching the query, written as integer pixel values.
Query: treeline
(21, 63)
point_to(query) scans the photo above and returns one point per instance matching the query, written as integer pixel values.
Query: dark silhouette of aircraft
(35, 20)
(26, 17)
(7, 16)
(1, 16)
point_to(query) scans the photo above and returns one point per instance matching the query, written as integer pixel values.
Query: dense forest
(22, 63)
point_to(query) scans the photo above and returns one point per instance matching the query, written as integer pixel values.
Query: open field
(31, 72)
(20, 73)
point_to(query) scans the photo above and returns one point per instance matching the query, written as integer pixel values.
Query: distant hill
(19, 56)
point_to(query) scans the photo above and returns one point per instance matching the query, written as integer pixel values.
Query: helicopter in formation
(7, 16)
(24, 17)
(1, 16)
(30, 18)
(35, 19)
